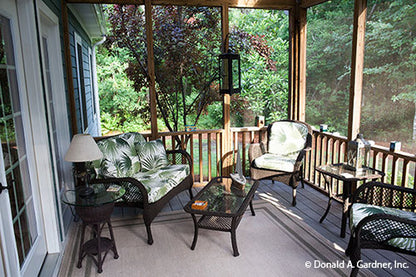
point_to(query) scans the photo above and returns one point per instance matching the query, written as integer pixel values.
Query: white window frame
(78, 41)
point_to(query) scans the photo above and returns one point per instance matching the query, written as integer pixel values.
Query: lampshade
(83, 149)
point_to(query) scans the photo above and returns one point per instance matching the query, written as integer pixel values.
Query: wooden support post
(302, 65)
(151, 68)
(297, 64)
(292, 65)
(68, 67)
(227, 157)
(357, 67)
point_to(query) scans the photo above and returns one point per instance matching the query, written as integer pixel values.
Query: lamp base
(85, 192)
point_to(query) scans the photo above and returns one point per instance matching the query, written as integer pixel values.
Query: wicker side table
(95, 211)
(349, 177)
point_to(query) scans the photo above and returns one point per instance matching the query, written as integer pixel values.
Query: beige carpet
(272, 243)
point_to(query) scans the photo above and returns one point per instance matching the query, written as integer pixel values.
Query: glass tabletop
(222, 197)
(103, 194)
(344, 171)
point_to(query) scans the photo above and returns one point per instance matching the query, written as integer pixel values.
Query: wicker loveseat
(281, 157)
(382, 216)
(151, 175)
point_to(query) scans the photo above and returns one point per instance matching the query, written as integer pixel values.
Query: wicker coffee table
(225, 207)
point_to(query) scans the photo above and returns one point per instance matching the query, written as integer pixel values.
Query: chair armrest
(385, 195)
(179, 156)
(255, 150)
(383, 227)
(299, 159)
(124, 181)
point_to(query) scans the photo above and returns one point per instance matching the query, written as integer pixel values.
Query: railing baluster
(320, 139)
(375, 159)
(209, 155)
(191, 150)
(394, 170)
(316, 155)
(172, 137)
(307, 165)
(164, 141)
(220, 156)
(404, 171)
(326, 154)
(183, 145)
(243, 138)
(384, 166)
(201, 174)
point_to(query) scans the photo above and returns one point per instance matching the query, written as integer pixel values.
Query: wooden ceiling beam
(257, 4)
(310, 3)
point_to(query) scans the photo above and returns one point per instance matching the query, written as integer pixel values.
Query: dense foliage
(187, 41)
(262, 39)
(389, 69)
(186, 44)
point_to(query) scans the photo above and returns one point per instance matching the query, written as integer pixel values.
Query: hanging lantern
(230, 73)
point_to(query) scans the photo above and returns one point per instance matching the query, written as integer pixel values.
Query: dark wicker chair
(377, 227)
(137, 196)
(289, 175)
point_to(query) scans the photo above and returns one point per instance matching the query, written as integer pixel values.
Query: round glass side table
(95, 211)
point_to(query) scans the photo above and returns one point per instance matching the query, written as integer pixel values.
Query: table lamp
(83, 149)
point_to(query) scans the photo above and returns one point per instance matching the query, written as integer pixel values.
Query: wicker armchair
(149, 185)
(382, 216)
(280, 158)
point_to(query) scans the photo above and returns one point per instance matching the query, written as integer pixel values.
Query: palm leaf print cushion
(152, 155)
(120, 155)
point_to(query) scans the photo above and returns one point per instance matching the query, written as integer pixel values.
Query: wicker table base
(219, 223)
(97, 218)
(225, 208)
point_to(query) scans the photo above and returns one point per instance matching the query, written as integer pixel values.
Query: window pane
(6, 105)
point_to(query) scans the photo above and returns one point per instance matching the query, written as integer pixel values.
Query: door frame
(48, 24)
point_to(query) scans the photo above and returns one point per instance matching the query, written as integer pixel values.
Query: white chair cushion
(276, 162)
(287, 138)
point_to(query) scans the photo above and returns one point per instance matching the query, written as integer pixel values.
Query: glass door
(21, 226)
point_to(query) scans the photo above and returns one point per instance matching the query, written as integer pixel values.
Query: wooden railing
(399, 167)
(205, 148)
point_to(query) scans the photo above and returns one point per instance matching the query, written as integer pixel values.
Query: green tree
(186, 43)
(329, 39)
(261, 37)
(120, 105)
(390, 63)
